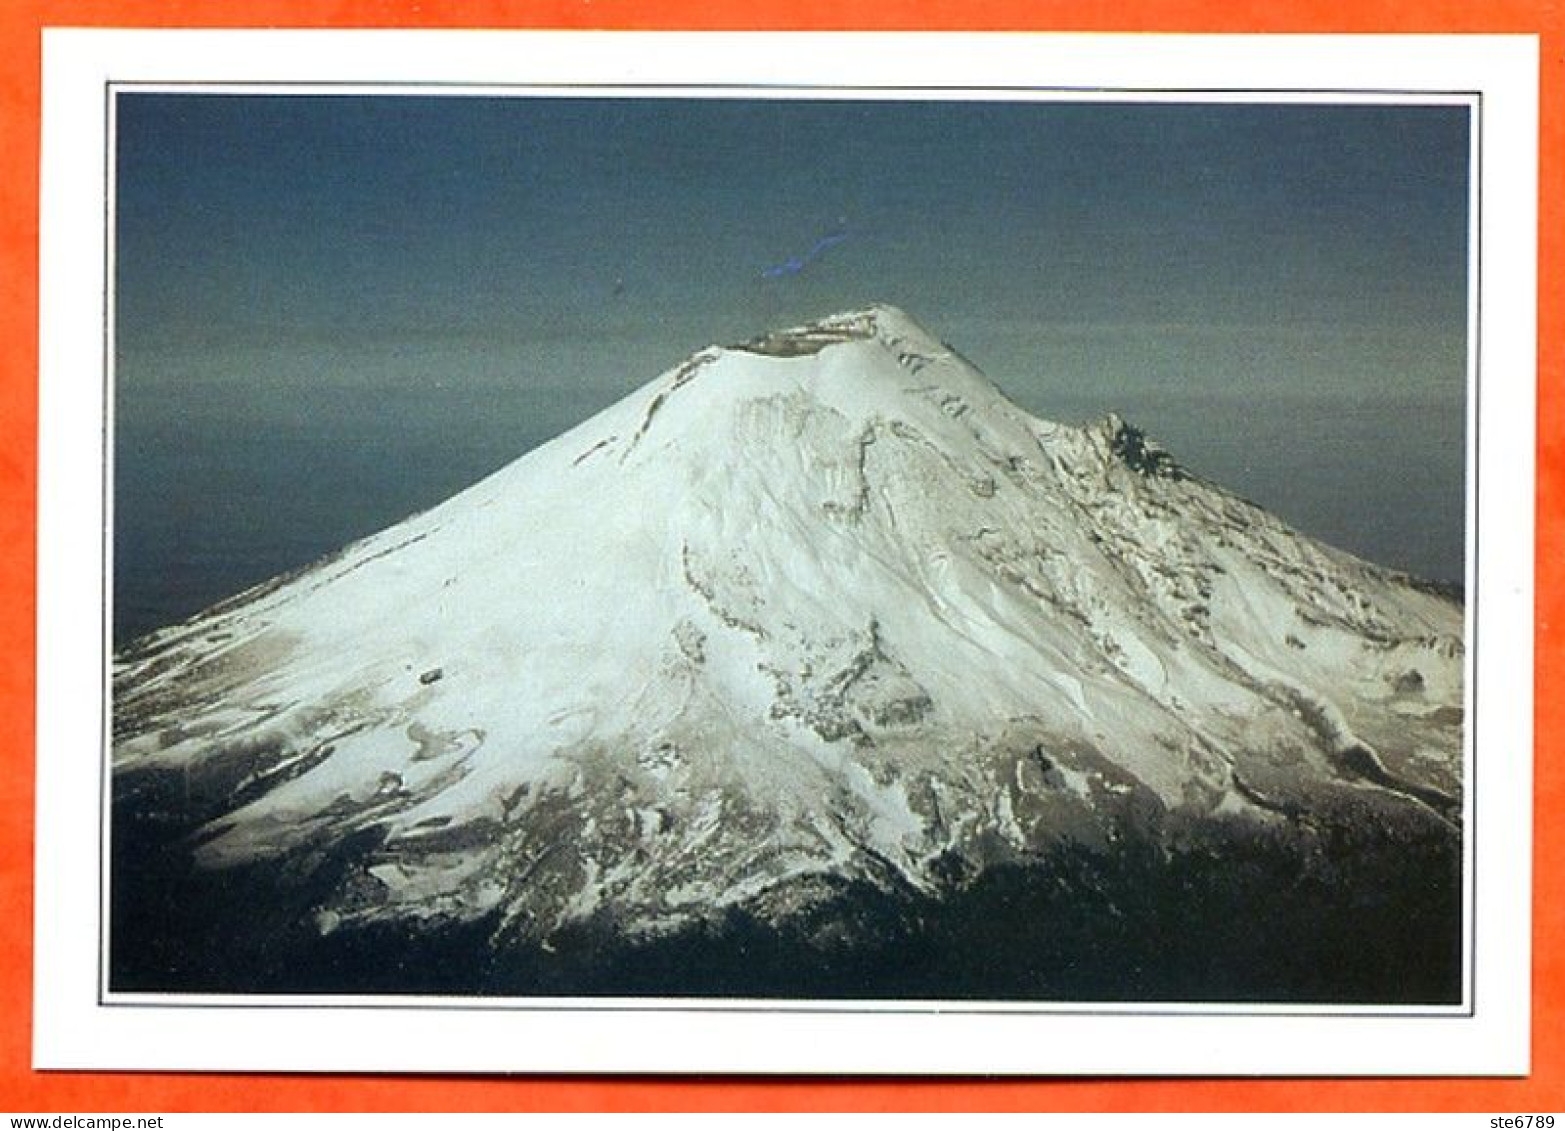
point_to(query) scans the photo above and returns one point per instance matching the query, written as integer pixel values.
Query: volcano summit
(815, 667)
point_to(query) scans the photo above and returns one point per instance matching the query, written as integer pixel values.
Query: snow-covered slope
(824, 606)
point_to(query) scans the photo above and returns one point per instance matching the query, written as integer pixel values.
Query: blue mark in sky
(293, 272)
(799, 262)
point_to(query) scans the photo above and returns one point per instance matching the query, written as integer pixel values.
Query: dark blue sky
(404, 292)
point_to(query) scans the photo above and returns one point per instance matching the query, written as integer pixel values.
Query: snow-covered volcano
(823, 607)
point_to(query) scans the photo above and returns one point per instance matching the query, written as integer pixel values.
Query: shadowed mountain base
(1371, 916)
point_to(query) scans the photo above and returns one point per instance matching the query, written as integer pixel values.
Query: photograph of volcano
(789, 548)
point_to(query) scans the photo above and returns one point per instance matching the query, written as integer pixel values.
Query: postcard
(845, 553)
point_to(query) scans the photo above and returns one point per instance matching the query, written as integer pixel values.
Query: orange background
(23, 1090)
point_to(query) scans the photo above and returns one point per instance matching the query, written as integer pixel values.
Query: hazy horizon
(334, 311)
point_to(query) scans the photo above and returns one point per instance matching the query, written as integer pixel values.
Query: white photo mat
(78, 1024)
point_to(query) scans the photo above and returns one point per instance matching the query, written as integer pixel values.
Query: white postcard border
(77, 1026)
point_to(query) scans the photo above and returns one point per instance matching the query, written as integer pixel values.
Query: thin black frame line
(1471, 598)
(113, 88)
(817, 1007)
(390, 87)
(106, 502)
